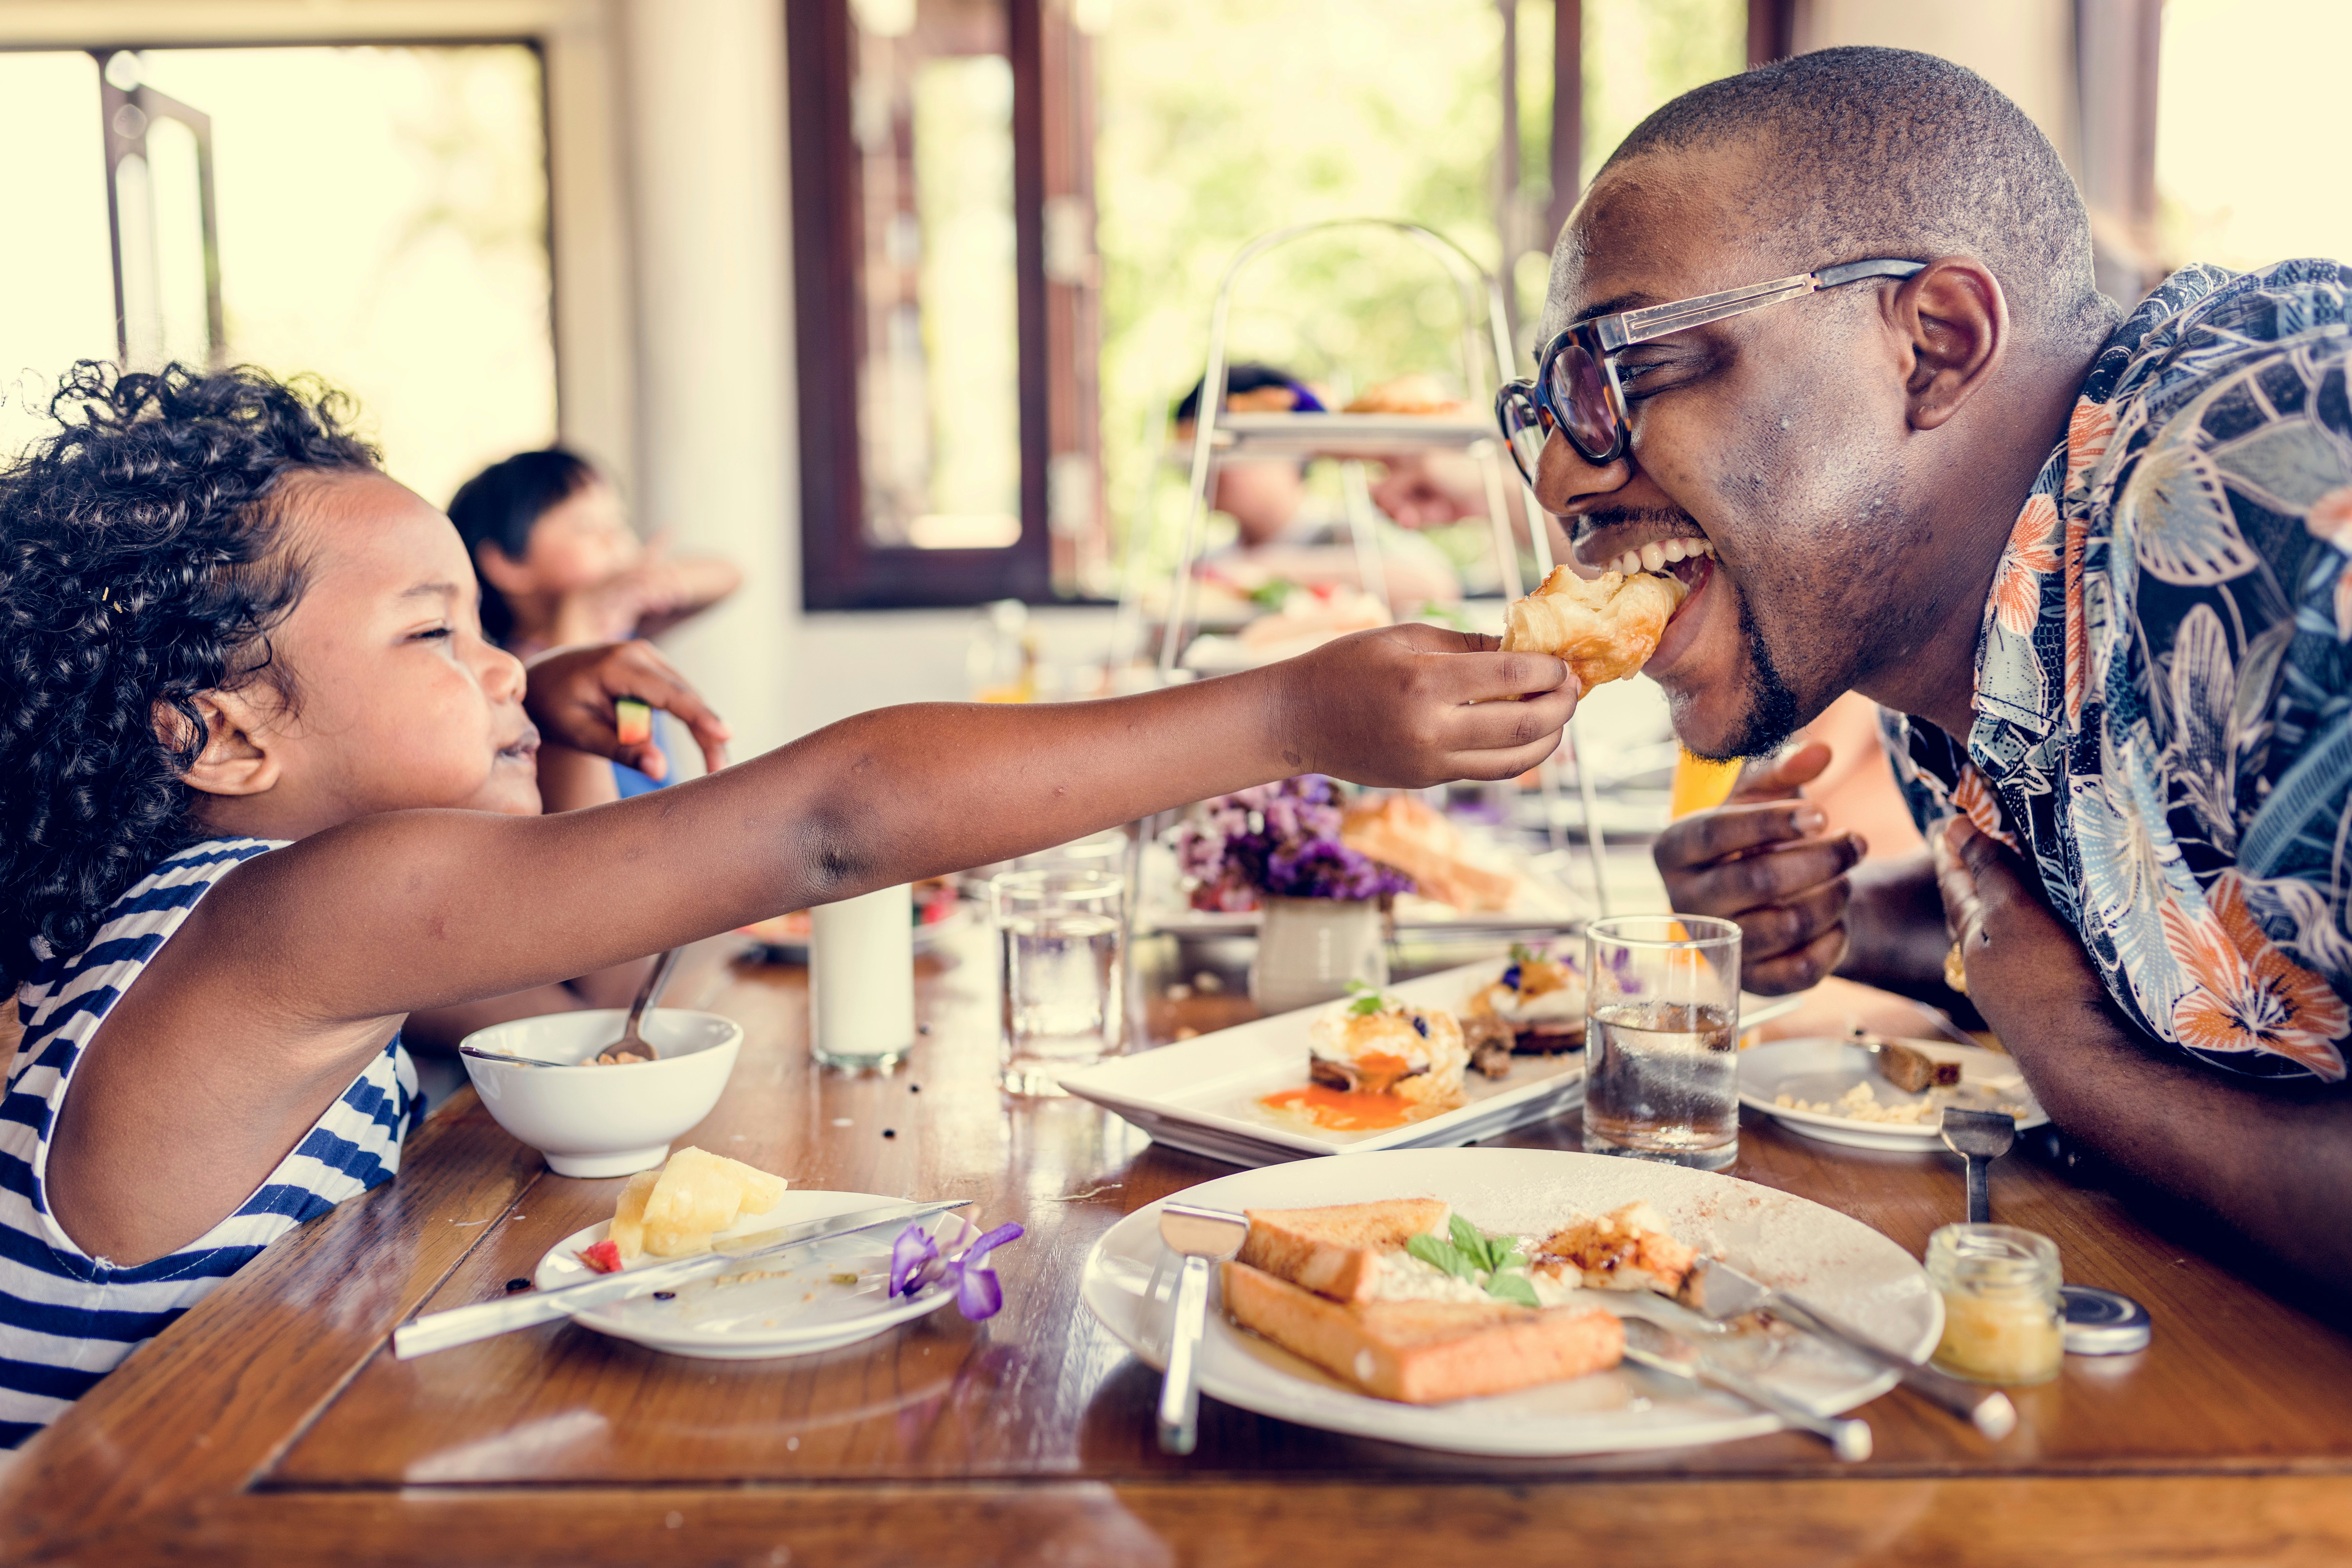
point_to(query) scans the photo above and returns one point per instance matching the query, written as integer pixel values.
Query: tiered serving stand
(1221, 435)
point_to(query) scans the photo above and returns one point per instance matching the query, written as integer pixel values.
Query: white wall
(703, 95)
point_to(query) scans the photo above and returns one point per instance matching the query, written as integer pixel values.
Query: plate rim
(1093, 1273)
(1911, 1133)
(890, 1316)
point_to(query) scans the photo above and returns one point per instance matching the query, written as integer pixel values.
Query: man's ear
(1955, 321)
(507, 574)
(239, 756)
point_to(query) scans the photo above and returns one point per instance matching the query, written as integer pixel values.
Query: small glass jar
(2003, 1319)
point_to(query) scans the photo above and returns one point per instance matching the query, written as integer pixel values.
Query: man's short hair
(1879, 152)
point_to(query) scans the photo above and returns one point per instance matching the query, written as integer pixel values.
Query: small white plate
(1819, 1071)
(1836, 1262)
(798, 1313)
(1202, 1094)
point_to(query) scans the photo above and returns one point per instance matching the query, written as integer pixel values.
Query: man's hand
(572, 691)
(2026, 966)
(1755, 859)
(1415, 705)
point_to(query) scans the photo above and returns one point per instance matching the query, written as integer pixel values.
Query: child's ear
(235, 759)
(507, 574)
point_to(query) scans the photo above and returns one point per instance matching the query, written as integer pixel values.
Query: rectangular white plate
(1200, 1094)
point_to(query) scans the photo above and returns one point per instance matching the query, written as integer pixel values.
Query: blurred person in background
(559, 565)
(1286, 532)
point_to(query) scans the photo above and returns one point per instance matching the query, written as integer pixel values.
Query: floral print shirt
(2163, 718)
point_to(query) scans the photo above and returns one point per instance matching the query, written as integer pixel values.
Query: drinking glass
(1661, 1039)
(1060, 941)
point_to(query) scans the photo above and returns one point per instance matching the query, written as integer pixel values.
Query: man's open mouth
(1665, 555)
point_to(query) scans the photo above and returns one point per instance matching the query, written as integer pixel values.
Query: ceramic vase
(1308, 949)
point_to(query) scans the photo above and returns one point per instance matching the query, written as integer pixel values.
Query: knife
(462, 1325)
(1720, 1290)
(1847, 1436)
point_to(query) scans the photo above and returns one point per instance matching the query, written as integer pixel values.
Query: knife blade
(1647, 1346)
(1720, 1290)
(462, 1325)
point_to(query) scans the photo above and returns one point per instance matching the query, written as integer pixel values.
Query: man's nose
(1567, 485)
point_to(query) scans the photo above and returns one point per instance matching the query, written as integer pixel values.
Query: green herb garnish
(1522, 953)
(1368, 999)
(1273, 595)
(1469, 1253)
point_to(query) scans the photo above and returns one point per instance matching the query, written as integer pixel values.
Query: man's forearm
(2275, 1165)
(1895, 936)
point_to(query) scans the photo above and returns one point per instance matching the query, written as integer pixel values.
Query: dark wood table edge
(2281, 1521)
(172, 1466)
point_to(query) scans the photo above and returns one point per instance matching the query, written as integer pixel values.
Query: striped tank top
(67, 1318)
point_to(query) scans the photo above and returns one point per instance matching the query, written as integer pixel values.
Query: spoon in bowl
(631, 1046)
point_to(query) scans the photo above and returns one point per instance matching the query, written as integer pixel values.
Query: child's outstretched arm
(300, 963)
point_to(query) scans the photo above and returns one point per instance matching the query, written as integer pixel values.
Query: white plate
(1202, 1094)
(1821, 1069)
(1838, 1263)
(798, 1314)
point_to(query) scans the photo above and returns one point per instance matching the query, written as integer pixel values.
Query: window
(1011, 217)
(377, 216)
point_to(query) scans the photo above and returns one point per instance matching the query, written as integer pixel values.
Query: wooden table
(272, 1423)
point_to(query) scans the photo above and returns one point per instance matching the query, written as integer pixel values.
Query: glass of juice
(1661, 1039)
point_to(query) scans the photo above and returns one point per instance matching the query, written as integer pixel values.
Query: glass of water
(1661, 1039)
(1060, 939)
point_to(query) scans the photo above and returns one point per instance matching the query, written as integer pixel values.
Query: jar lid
(2100, 1322)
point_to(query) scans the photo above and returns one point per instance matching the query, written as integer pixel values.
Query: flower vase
(1308, 949)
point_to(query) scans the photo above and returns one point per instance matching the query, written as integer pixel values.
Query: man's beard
(1773, 714)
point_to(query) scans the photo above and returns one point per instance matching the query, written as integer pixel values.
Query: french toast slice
(1425, 1353)
(1333, 1251)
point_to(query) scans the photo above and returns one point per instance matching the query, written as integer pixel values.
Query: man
(2095, 570)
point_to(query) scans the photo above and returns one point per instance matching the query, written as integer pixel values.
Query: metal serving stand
(1221, 435)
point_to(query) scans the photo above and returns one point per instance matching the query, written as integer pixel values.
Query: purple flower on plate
(918, 1261)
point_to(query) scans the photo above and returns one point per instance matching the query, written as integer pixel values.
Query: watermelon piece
(634, 719)
(605, 1257)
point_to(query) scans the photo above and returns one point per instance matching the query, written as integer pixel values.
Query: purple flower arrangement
(918, 1261)
(1278, 840)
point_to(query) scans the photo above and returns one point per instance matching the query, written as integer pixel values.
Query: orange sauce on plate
(1340, 1110)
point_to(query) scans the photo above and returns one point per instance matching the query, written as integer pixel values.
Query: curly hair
(141, 565)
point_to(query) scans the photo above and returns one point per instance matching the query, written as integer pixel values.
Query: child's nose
(502, 674)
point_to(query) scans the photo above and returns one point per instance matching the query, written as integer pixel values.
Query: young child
(557, 563)
(266, 789)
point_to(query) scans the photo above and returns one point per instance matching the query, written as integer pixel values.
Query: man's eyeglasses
(1577, 390)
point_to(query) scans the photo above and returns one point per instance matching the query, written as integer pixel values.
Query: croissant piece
(1606, 627)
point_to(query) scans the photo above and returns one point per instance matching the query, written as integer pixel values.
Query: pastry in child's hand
(1606, 627)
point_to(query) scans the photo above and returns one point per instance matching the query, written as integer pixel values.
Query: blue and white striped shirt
(67, 1318)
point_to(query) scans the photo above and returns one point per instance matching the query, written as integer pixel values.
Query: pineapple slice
(698, 1193)
(628, 1231)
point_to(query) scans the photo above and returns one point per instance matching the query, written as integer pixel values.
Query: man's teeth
(1657, 555)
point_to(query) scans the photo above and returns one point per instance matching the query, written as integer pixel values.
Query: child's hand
(572, 691)
(1416, 705)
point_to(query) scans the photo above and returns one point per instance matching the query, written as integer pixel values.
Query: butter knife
(1720, 1290)
(1649, 1346)
(462, 1325)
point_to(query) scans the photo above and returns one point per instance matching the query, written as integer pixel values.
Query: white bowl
(592, 1120)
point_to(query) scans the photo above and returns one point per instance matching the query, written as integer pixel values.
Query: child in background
(557, 565)
(266, 789)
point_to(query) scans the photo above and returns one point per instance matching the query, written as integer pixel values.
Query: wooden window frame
(841, 567)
